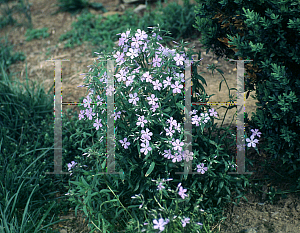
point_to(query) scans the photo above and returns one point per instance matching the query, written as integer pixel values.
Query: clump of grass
(7, 57)
(22, 8)
(102, 32)
(77, 6)
(26, 149)
(36, 33)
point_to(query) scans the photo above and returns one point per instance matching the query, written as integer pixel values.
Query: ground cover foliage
(26, 146)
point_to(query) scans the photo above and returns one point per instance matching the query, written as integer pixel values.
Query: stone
(130, 1)
(139, 9)
(249, 230)
(111, 13)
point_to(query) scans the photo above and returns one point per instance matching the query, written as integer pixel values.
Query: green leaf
(220, 85)
(137, 186)
(150, 169)
(122, 175)
(221, 184)
(84, 182)
(85, 210)
(168, 109)
(220, 71)
(105, 191)
(227, 189)
(103, 164)
(179, 105)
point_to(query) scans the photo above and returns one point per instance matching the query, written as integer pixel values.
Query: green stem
(118, 198)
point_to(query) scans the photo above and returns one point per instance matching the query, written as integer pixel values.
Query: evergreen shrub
(267, 32)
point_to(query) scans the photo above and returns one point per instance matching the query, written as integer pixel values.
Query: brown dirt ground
(280, 217)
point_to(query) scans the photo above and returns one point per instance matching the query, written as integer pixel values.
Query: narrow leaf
(150, 169)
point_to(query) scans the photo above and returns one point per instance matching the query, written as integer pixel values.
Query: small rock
(130, 1)
(249, 230)
(111, 13)
(272, 215)
(139, 9)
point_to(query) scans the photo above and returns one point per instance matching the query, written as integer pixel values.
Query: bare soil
(256, 216)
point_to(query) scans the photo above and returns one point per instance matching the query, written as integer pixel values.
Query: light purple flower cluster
(155, 80)
(161, 223)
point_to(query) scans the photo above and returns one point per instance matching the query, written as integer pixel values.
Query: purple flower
(177, 127)
(125, 35)
(97, 124)
(81, 115)
(179, 59)
(71, 165)
(176, 158)
(156, 61)
(132, 53)
(87, 101)
(119, 56)
(185, 221)
(193, 112)
(158, 36)
(256, 132)
(201, 168)
(121, 41)
(141, 121)
(146, 148)
(157, 85)
(169, 132)
(195, 120)
(159, 224)
(116, 115)
(133, 98)
(146, 134)
(129, 80)
(141, 34)
(89, 113)
(152, 99)
(251, 141)
(241, 148)
(172, 122)
(125, 144)
(122, 75)
(154, 107)
(167, 82)
(136, 42)
(168, 154)
(207, 118)
(182, 192)
(160, 186)
(147, 76)
(176, 87)
(110, 90)
(177, 145)
(180, 75)
(188, 156)
(213, 113)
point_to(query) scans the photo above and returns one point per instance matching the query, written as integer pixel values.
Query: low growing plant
(7, 57)
(36, 33)
(149, 104)
(22, 7)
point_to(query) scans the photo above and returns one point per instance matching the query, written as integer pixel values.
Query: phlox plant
(149, 109)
